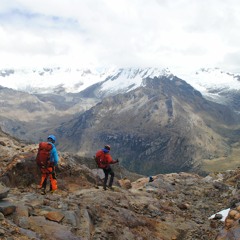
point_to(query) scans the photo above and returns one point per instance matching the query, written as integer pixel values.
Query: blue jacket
(54, 155)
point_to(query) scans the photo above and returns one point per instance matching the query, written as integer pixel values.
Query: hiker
(150, 179)
(47, 160)
(104, 159)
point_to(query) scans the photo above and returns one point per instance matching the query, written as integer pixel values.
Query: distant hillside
(166, 126)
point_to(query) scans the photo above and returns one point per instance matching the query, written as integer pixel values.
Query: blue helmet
(151, 179)
(52, 137)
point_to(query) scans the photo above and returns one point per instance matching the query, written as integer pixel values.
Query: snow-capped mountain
(130, 79)
(213, 84)
(210, 79)
(47, 80)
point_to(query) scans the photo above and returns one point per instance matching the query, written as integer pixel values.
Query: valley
(154, 121)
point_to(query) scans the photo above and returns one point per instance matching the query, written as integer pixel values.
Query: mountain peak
(213, 83)
(47, 80)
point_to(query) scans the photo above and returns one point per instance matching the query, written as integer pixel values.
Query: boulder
(7, 208)
(54, 216)
(3, 191)
(125, 183)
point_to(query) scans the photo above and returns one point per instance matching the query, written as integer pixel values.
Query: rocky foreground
(174, 206)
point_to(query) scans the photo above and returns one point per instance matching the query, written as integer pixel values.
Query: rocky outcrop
(172, 206)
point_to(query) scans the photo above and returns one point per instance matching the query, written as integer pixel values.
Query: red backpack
(100, 159)
(43, 155)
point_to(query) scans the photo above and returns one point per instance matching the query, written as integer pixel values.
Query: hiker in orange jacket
(104, 160)
(48, 169)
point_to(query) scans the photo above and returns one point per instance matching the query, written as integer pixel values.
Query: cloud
(123, 33)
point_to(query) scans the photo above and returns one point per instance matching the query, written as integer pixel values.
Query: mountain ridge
(155, 124)
(165, 113)
(214, 84)
(76, 80)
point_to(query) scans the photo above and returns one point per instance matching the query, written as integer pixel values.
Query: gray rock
(218, 216)
(220, 186)
(23, 222)
(7, 207)
(2, 232)
(3, 191)
(70, 218)
(50, 230)
(1, 216)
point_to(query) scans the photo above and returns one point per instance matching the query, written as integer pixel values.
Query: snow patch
(224, 213)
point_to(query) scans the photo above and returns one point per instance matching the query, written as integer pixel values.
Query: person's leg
(43, 183)
(105, 179)
(52, 178)
(111, 178)
(53, 182)
(51, 171)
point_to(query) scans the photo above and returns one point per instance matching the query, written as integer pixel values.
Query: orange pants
(52, 177)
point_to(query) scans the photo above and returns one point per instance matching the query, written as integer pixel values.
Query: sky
(174, 34)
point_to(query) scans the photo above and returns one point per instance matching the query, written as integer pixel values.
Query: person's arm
(55, 156)
(115, 161)
(110, 160)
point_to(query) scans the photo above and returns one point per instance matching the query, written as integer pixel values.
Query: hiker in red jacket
(104, 159)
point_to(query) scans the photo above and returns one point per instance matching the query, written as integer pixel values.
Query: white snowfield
(47, 80)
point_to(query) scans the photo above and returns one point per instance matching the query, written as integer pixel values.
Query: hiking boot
(43, 192)
(53, 191)
(111, 188)
(104, 188)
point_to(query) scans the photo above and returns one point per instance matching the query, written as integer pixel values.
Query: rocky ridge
(174, 206)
